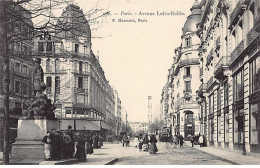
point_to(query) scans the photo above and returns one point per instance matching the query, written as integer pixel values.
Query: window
(57, 65)
(187, 71)
(17, 67)
(25, 69)
(48, 81)
(188, 86)
(57, 84)
(25, 51)
(49, 46)
(25, 90)
(40, 46)
(48, 65)
(226, 90)
(188, 42)
(211, 104)
(80, 82)
(76, 48)
(254, 75)
(17, 87)
(80, 66)
(226, 127)
(238, 85)
(218, 99)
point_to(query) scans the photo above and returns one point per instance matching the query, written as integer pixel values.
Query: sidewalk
(229, 156)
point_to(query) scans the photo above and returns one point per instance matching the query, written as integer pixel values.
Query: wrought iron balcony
(187, 91)
(192, 61)
(210, 82)
(222, 64)
(237, 51)
(251, 36)
(210, 57)
(238, 10)
(81, 72)
(202, 89)
(217, 43)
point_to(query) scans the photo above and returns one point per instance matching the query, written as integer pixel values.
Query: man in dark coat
(181, 140)
(56, 143)
(71, 145)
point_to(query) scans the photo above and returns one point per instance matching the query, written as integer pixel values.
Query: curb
(219, 157)
(112, 161)
(62, 162)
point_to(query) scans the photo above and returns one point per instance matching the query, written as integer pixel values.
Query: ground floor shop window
(227, 127)
(238, 126)
(211, 130)
(255, 124)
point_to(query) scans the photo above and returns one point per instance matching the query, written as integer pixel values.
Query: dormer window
(188, 42)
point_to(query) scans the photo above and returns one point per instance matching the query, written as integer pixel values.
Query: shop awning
(105, 126)
(87, 125)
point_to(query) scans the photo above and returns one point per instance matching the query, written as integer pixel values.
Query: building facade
(75, 80)
(230, 63)
(118, 113)
(180, 91)
(20, 66)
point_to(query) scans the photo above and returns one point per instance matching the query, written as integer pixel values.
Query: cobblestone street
(165, 156)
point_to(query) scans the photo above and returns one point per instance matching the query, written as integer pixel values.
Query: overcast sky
(136, 56)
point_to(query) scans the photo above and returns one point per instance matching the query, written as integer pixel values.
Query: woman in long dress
(153, 149)
(136, 141)
(145, 143)
(81, 153)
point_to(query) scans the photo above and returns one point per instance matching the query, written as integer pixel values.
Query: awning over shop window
(105, 126)
(87, 125)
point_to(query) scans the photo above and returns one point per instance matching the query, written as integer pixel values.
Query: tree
(35, 17)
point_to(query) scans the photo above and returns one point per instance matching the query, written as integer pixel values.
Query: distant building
(139, 127)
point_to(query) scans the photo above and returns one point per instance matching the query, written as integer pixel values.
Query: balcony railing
(237, 51)
(210, 82)
(251, 36)
(223, 62)
(218, 43)
(238, 10)
(187, 91)
(81, 72)
(210, 57)
(192, 61)
(201, 71)
(187, 76)
(79, 90)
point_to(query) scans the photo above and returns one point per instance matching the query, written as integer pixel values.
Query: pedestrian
(153, 148)
(89, 147)
(136, 141)
(47, 146)
(140, 143)
(71, 145)
(174, 141)
(192, 141)
(201, 140)
(181, 139)
(170, 138)
(96, 140)
(56, 145)
(65, 146)
(145, 142)
(124, 139)
(81, 153)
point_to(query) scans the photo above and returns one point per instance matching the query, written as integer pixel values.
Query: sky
(136, 56)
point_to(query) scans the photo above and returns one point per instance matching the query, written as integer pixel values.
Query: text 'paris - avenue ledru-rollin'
(135, 17)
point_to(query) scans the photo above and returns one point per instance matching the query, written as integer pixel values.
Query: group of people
(63, 145)
(144, 143)
(59, 145)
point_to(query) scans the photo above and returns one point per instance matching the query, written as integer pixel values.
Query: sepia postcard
(130, 82)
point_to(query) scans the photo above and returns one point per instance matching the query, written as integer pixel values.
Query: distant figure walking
(140, 144)
(145, 143)
(153, 148)
(81, 153)
(201, 140)
(181, 139)
(136, 141)
(192, 141)
(174, 141)
(71, 145)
